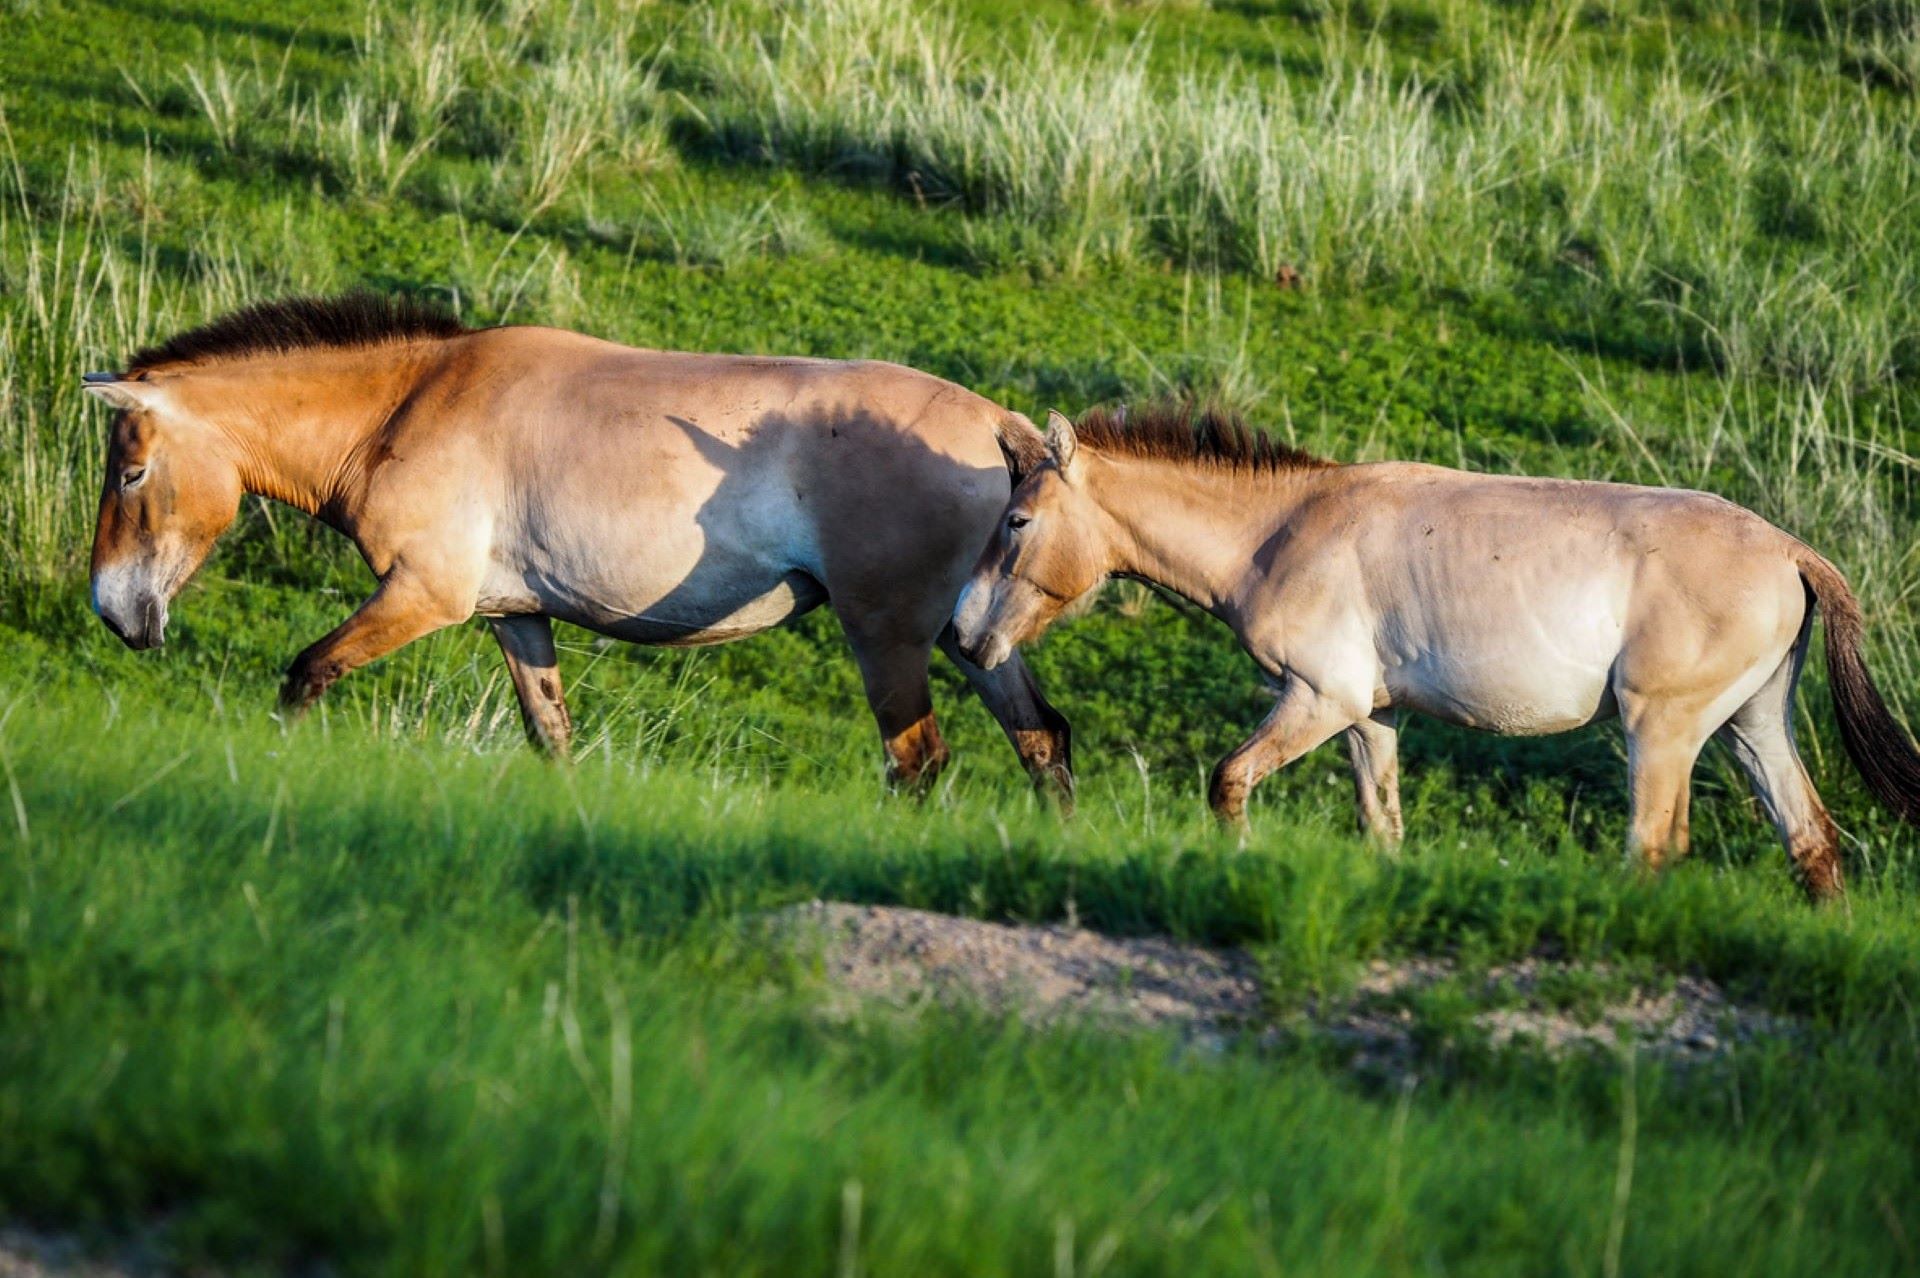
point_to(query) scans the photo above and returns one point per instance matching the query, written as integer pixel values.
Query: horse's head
(171, 488)
(1050, 549)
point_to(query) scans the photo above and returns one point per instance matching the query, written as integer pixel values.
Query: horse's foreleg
(1300, 720)
(527, 644)
(1039, 733)
(1374, 746)
(895, 675)
(400, 611)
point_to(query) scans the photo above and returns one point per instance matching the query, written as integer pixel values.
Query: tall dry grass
(533, 91)
(1764, 205)
(78, 298)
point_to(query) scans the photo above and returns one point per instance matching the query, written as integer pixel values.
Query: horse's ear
(1061, 441)
(118, 391)
(1021, 444)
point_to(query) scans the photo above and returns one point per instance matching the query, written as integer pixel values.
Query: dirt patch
(902, 958)
(29, 1253)
(1040, 974)
(1683, 1019)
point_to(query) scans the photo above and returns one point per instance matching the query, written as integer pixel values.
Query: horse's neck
(309, 421)
(1194, 529)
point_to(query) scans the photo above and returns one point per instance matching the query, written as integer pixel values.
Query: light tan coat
(1514, 605)
(525, 474)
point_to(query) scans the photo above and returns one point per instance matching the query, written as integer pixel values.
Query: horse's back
(1507, 602)
(673, 497)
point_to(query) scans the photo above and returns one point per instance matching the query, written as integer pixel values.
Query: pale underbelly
(704, 609)
(1509, 701)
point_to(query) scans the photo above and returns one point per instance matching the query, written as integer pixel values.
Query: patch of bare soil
(1041, 974)
(902, 958)
(1686, 1020)
(27, 1253)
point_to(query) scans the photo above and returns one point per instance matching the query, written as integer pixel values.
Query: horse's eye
(1017, 522)
(131, 477)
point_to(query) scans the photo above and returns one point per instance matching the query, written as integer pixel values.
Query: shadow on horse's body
(527, 474)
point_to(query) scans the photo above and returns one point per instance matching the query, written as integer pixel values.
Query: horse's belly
(671, 590)
(1521, 706)
(691, 622)
(1525, 681)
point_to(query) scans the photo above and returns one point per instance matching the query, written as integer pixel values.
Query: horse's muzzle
(145, 627)
(987, 652)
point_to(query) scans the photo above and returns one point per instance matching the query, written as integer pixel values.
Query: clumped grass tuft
(235, 102)
(586, 99)
(692, 232)
(537, 91)
(364, 141)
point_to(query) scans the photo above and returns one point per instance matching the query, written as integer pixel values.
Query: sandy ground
(27, 1253)
(1688, 1020)
(900, 958)
(1041, 974)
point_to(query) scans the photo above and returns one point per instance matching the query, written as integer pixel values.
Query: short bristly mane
(1178, 431)
(301, 323)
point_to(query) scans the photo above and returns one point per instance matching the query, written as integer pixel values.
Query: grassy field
(384, 993)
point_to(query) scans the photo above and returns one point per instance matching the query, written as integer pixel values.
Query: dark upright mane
(298, 323)
(1180, 431)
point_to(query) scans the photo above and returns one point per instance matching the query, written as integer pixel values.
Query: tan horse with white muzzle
(526, 474)
(1520, 606)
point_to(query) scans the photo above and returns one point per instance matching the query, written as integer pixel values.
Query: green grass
(385, 992)
(217, 1010)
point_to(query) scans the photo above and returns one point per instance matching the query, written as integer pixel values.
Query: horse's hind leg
(1039, 733)
(1374, 746)
(527, 644)
(895, 674)
(1663, 742)
(1760, 734)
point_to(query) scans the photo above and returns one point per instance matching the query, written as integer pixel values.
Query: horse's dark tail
(1879, 747)
(1022, 444)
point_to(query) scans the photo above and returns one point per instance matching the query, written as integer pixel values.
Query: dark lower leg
(1039, 734)
(916, 755)
(527, 645)
(1373, 748)
(1815, 850)
(896, 681)
(1761, 738)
